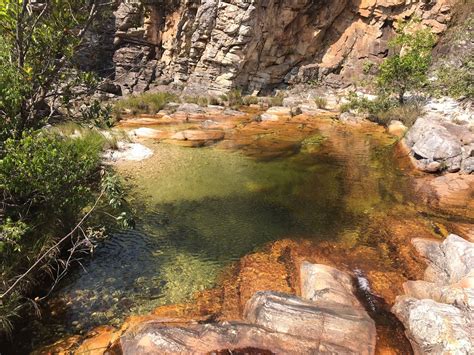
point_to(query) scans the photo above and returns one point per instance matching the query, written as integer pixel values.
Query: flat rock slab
(333, 322)
(342, 326)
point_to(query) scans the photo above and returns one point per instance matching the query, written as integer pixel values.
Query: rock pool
(198, 210)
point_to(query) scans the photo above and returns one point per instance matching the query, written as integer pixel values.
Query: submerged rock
(437, 312)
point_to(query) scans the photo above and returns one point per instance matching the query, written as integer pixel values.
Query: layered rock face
(211, 46)
(438, 311)
(326, 319)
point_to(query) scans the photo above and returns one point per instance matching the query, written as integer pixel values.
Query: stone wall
(215, 45)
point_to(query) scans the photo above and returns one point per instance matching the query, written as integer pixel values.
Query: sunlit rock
(437, 312)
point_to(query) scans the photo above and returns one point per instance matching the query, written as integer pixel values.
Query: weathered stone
(212, 46)
(436, 145)
(275, 322)
(397, 128)
(437, 312)
(434, 328)
(325, 283)
(330, 322)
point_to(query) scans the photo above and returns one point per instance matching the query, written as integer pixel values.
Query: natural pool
(200, 209)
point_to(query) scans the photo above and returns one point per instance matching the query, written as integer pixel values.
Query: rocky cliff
(211, 46)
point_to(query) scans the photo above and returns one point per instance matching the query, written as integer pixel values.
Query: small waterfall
(363, 287)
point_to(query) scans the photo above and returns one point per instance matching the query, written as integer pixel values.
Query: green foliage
(406, 113)
(250, 100)
(407, 68)
(457, 82)
(277, 100)
(37, 44)
(97, 114)
(49, 171)
(11, 233)
(234, 98)
(367, 66)
(320, 102)
(202, 101)
(145, 103)
(384, 109)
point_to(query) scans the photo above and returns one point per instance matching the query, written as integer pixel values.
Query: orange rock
(96, 345)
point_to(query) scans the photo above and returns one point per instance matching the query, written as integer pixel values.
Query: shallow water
(200, 209)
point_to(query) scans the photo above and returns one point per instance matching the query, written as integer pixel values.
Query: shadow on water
(201, 209)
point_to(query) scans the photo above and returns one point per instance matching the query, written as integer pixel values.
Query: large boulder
(437, 312)
(438, 145)
(327, 319)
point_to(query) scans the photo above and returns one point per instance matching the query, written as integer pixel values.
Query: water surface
(200, 209)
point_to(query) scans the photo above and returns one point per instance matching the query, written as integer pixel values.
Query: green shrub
(320, 102)
(407, 68)
(145, 103)
(199, 100)
(234, 98)
(277, 100)
(44, 169)
(457, 82)
(250, 100)
(406, 113)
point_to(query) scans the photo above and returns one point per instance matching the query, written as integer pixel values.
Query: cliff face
(211, 46)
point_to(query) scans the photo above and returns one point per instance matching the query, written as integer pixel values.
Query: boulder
(434, 328)
(397, 128)
(338, 326)
(327, 319)
(437, 311)
(128, 151)
(145, 132)
(437, 145)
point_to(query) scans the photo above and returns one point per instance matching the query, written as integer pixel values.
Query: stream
(201, 209)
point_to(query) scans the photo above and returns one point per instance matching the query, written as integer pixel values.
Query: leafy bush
(43, 169)
(407, 68)
(457, 82)
(320, 102)
(145, 103)
(384, 109)
(199, 100)
(406, 113)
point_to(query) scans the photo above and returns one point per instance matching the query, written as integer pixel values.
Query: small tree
(407, 68)
(38, 40)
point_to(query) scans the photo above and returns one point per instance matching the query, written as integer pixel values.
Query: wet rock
(450, 193)
(437, 311)
(198, 135)
(326, 283)
(349, 328)
(397, 128)
(331, 321)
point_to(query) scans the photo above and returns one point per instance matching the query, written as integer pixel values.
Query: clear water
(199, 209)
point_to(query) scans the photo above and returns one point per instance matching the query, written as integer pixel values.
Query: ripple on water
(201, 209)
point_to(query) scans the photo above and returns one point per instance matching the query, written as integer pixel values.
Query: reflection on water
(200, 209)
